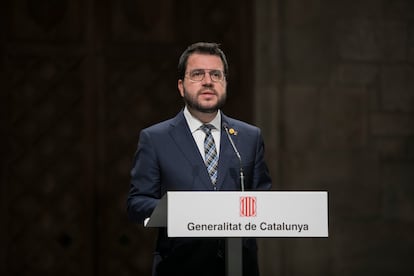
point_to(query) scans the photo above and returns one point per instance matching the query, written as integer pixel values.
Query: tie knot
(207, 128)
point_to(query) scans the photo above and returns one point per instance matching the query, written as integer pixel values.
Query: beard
(192, 102)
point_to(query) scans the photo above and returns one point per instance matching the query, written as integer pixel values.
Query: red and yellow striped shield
(247, 206)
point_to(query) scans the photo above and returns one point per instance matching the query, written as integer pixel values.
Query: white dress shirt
(194, 124)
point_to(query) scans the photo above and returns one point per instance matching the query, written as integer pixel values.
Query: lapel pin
(232, 131)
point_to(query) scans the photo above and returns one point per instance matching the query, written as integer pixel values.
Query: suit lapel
(184, 140)
(226, 154)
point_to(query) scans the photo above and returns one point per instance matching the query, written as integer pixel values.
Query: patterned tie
(211, 158)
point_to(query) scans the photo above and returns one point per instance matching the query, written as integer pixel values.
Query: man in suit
(192, 152)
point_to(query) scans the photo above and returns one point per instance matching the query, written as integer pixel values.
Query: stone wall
(80, 79)
(343, 90)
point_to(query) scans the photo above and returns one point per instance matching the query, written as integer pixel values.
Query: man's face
(206, 95)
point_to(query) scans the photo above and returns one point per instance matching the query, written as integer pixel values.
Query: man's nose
(207, 78)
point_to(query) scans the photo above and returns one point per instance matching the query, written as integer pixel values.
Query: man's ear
(181, 87)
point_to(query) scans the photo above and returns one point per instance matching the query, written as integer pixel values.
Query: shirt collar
(194, 124)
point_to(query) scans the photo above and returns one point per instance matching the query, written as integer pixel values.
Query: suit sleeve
(261, 176)
(145, 189)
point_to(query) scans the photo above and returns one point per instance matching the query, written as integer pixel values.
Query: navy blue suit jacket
(168, 159)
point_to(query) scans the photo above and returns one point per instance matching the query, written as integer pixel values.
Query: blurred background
(330, 82)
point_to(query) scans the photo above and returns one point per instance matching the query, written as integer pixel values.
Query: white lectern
(233, 215)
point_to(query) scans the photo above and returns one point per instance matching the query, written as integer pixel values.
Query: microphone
(237, 154)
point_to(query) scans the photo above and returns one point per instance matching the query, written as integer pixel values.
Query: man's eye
(216, 74)
(197, 73)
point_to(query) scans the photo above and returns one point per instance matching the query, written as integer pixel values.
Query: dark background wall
(331, 83)
(81, 79)
(344, 89)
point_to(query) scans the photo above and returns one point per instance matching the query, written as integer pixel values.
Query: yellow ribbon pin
(232, 131)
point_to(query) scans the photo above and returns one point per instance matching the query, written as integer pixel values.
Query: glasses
(198, 74)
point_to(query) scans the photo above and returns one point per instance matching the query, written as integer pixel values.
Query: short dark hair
(201, 48)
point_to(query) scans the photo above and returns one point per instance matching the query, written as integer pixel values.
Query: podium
(234, 215)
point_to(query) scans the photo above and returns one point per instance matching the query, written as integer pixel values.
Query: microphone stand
(234, 246)
(238, 157)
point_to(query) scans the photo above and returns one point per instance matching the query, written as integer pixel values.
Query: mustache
(209, 89)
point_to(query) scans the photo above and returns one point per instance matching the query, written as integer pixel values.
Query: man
(193, 152)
